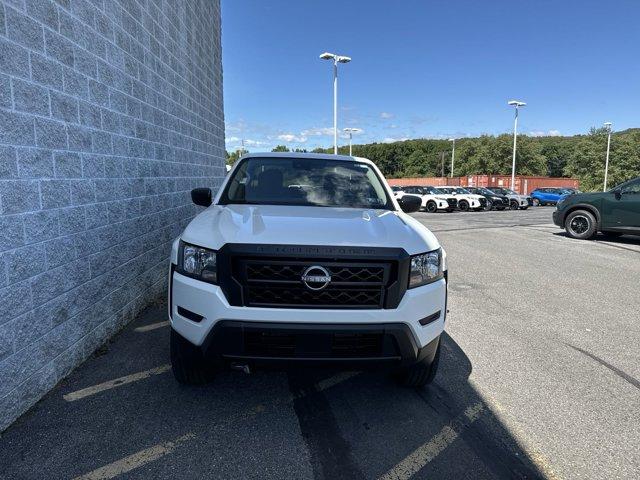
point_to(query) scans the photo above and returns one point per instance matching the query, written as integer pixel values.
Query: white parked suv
(466, 199)
(306, 258)
(431, 201)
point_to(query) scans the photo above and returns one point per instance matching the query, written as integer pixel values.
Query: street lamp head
(343, 59)
(351, 130)
(452, 139)
(608, 124)
(516, 103)
(327, 56)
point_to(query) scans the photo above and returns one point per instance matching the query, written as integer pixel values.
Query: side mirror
(201, 196)
(410, 203)
(618, 194)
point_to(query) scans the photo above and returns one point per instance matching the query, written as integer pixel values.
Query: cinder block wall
(110, 112)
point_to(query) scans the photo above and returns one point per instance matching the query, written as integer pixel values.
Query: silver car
(516, 201)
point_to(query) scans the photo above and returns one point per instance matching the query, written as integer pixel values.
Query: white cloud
(542, 133)
(311, 132)
(231, 139)
(391, 139)
(386, 115)
(290, 137)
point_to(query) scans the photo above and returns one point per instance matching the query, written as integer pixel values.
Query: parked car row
(450, 198)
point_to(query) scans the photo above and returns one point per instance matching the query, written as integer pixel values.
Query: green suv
(614, 213)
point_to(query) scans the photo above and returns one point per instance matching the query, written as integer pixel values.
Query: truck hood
(297, 225)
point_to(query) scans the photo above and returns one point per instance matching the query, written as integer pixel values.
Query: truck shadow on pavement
(310, 423)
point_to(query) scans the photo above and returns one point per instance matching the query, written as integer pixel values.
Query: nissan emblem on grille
(316, 277)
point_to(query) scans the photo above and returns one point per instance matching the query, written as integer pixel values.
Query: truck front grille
(277, 283)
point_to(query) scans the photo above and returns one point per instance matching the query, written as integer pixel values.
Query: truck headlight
(197, 262)
(426, 268)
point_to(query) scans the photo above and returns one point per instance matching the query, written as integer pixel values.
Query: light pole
(517, 104)
(336, 60)
(607, 125)
(453, 154)
(351, 131)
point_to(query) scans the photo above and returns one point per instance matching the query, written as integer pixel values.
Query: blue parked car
(548, 195)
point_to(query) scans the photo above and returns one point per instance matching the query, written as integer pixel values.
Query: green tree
(281, 148)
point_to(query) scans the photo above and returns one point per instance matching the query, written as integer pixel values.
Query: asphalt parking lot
(540, 378)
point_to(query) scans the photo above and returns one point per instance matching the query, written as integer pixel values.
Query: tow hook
(241, 367)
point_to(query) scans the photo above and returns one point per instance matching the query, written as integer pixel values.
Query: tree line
(579, 156)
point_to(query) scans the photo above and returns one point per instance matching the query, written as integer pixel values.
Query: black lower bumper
(274, 342)
(556, 218)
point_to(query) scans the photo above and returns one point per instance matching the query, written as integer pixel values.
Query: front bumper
(211, 307)
(557, 218)
(269, 342)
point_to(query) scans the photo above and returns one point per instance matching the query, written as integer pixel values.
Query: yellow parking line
(151, 454)
(424, 454)
(134, 377)
(135, 460)
(153, 326)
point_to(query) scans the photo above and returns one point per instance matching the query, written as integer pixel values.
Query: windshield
(433, 191)
(306, 181)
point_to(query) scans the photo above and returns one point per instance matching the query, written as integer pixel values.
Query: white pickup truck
(306, 258)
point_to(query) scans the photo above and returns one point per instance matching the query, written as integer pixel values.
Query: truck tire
(419, 374)
(432, 207)
(463, 205)
(580, 224)
(188, 363)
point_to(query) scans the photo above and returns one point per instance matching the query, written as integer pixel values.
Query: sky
(426, 69)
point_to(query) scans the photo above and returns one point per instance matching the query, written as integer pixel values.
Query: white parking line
(430, 450)
(135, 460)
(134, 377)
(152, 326)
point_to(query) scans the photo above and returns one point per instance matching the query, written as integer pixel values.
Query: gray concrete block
(67, 165)
(93, 166)
(50, 134)
(30, 97)
(44, 11)
(24, 30)
(15, 300)
(72, 220)
(85, 62)
(82, 192)
(8, 162)
(101, 142)
(90, 115)
(75, 83)
(5, 92)
(55, 193)
(40, 226)
(80, 138)
(98, 93)
(19, 196)
(11, 232)
(25, 262)
(35, 163)
(16, 128)
(64, 107)
(58, 47)
(45, 71)
(60, 251)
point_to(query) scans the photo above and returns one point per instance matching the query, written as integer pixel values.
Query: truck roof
(317, 156)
